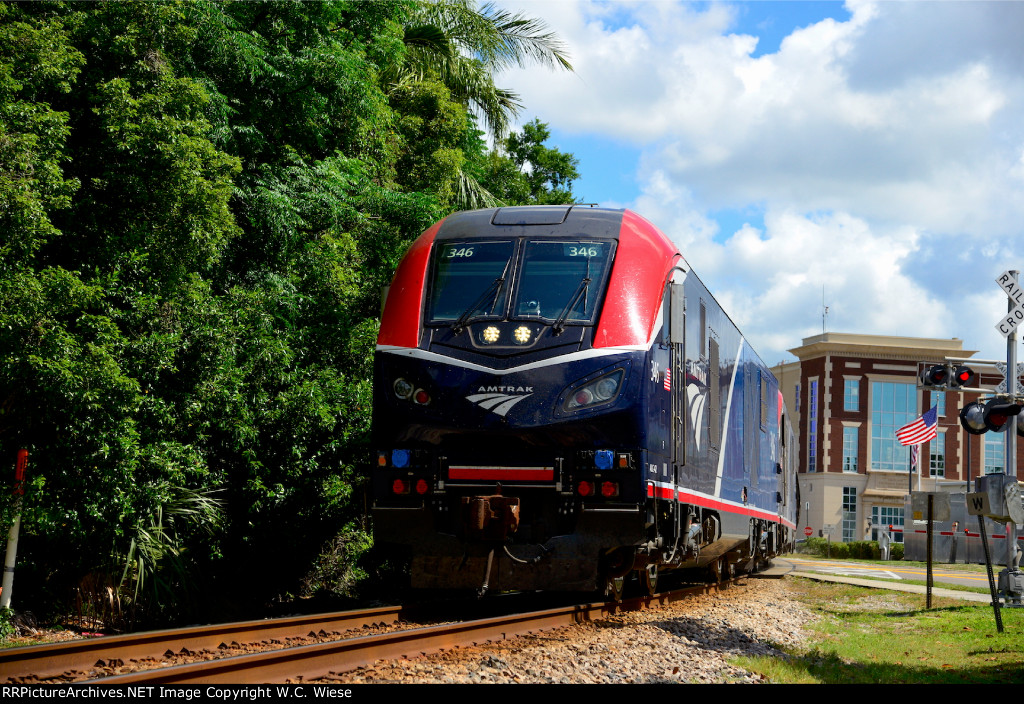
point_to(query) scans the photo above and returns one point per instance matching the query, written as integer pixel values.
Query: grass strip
(863, 636)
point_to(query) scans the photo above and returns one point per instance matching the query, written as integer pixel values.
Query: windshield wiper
(491, 292)
(559, 326)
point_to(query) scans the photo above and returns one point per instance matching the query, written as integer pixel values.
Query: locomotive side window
(471, 279)
(562, 280)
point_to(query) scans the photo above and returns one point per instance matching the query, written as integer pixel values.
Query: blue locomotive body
(559, 402)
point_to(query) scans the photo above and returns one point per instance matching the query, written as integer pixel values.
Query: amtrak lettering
(505, 389)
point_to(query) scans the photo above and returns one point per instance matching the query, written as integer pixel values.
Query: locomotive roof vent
(531, 215)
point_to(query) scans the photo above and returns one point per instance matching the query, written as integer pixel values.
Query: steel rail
(309, 662)
(38, 662)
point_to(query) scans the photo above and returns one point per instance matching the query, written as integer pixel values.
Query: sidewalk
(781, 568)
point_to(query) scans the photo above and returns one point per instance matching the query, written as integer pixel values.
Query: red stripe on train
(668, 493)
(516, 474)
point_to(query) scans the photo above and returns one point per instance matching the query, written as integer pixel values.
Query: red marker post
(12, 537)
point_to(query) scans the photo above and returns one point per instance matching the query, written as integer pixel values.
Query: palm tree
(464, 46)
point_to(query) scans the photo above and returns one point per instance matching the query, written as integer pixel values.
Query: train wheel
(650, 578)
(725, 571)
(615, 587)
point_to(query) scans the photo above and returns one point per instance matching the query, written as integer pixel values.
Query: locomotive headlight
(597, 392)
(606, 388)
(403, 389)
(490, 334)
(522, 334)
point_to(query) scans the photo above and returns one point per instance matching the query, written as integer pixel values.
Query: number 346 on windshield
(578, 250)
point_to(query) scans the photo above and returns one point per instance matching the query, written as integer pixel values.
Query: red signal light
(584, 488)
(609, 489)
(997, 414)
(935, 375)
(422, 486)
(962, 376)
(399, 487)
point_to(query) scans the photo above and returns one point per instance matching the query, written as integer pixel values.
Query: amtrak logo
(696, 396)
(697, 399)
(493, 398)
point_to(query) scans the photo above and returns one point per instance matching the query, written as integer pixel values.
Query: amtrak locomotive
(560, 404)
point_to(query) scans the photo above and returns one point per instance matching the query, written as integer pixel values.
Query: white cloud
(880, 149)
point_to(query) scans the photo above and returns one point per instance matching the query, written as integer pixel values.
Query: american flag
(915, 450)
(921, 430)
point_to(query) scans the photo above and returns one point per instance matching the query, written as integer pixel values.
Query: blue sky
(870, 150)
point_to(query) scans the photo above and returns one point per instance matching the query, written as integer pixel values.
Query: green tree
(461, 45)
(199, 204)
(529, 172)
(464, 44)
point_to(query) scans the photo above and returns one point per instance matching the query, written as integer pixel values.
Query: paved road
(870, 575)
(895, 571)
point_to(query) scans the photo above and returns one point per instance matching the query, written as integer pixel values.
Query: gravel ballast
(688, 641)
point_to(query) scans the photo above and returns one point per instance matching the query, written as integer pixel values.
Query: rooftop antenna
(824, 310)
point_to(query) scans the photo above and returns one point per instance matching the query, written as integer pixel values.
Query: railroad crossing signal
(1009, 322)
(935, 375)
(962, 376)
(998, 413)
(993, 415)
(952, 376)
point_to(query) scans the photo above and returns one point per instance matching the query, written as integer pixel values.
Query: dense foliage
(199, 205)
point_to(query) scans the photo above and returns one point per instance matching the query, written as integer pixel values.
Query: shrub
(856, 550)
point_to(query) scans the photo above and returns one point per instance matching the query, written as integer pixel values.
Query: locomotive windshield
(561, 280)
(557, 281)
(470, 280)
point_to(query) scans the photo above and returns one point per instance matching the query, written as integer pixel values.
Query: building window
(850, 437)
(849, 513)
(884, 516)
(939, 401)
(937, 458)
(797, 409)
(812, 425)
(892, 406)
(995, 453)
(851, 395)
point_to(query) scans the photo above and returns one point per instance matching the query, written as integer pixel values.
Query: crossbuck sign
(1009, 322)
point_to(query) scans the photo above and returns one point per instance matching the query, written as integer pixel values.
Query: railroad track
(275, 660)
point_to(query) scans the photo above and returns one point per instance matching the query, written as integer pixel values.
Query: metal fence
(955, 540)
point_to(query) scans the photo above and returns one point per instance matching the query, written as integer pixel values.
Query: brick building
(847, 395)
